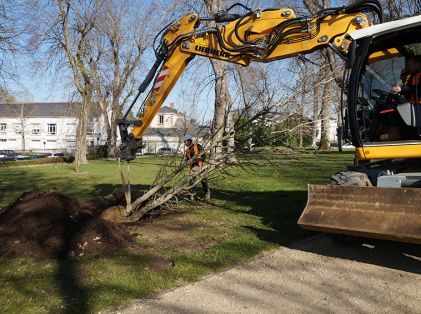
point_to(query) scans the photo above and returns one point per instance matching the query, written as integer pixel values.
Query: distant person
(193, 151)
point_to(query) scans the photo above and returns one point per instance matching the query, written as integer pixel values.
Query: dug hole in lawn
(47, 224)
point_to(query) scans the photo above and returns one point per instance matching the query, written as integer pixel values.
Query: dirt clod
(47, 224)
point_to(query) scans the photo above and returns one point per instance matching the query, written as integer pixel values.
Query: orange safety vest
(415, 84)
(192, 152)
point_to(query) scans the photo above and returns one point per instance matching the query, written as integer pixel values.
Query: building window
(17, 129)
(3, 140)
(3, 127)
(161, 119)
(52, 129)
(36, 129)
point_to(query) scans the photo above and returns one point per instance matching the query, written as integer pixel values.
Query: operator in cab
(410, 87)
(410, 92)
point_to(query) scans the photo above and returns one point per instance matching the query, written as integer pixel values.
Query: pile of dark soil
(47, 224)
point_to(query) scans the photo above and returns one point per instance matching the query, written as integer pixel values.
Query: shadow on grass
(280, 211)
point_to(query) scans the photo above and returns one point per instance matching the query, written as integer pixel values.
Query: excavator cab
(380, 195)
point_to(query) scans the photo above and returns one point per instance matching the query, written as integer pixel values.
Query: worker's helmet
(188, 138)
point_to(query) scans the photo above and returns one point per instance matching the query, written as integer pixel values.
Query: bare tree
(123, 43)
(10, 31)
(63, 34)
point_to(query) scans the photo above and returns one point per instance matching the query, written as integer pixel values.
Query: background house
(44, 127)
(168, 129)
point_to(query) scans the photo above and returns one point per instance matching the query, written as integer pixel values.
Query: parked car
(40, 155)
(166, 151)
(22, 157)
(55, 155)
(7, 154)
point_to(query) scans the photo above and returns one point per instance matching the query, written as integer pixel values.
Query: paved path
(314, 276)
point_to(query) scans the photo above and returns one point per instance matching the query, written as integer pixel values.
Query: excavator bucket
(384, 213)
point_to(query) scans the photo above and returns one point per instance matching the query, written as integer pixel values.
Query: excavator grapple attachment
(384, 213)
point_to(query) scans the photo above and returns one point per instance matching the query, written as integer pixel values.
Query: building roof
(166, 109)
(39, 110)
(163, 132)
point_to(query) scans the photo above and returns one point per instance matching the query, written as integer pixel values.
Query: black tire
(350, 178)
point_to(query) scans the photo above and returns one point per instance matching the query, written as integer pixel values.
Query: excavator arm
(257, 35)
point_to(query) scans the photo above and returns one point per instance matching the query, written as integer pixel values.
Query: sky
(41, 88)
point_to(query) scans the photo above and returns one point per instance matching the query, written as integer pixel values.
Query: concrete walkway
(314, 276)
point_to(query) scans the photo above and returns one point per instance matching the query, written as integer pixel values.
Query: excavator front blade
(384, 213)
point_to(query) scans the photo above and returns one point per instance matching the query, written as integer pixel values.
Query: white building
(44, 127)
(52, 127)
(333, 130)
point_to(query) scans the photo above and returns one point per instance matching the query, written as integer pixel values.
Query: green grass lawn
(253, 211)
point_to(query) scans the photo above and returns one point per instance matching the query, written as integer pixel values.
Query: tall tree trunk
(221, 116)
(229, 129)
(107, 124)
(316, 115)
(112, 148)
(339, 130)
(325, 116)
(115, 114)
(81, 144)
(222, 106)
(111, 126)
(301, 113)
(242, 83)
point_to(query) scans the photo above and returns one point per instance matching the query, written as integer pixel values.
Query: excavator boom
(260, 36)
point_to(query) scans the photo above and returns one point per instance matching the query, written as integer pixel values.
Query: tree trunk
(316, 115)
(221, 117)
(115, 114)
(339, 131)
(81, 145)
(301, 113)
(229, 129)
(222, 106)
(107, 125)
(244, 88)
(325, 116)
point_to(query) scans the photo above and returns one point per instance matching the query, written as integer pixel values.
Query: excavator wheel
(350, 178)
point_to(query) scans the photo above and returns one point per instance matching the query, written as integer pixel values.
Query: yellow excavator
(378, 196)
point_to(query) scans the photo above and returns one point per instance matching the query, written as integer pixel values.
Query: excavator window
(389, 93)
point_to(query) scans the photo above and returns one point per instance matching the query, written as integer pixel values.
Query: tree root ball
(116, 214)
